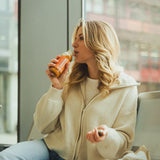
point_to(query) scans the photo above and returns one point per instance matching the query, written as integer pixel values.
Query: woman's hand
(98, 134)
(57, 82)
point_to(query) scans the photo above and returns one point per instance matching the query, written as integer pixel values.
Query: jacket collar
(124, 80)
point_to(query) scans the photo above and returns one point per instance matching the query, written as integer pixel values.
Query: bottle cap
(68, 54)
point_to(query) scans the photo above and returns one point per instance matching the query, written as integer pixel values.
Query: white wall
(43, 35)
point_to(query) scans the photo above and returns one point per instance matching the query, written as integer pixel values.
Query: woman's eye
(81, 38)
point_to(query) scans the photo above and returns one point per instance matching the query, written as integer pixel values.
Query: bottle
(59, 67)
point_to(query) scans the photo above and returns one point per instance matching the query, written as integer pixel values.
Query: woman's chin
(76, 60)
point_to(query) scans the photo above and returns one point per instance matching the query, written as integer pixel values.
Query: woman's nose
(74, 44)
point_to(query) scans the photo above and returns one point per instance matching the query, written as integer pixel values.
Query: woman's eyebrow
(80, 34)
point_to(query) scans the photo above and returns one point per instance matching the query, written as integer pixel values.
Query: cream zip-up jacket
(65, 119)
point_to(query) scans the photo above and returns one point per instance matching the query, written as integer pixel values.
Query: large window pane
(138, 11)
(109, 7)
(8, 71)
(155, 14)
(138, 28)
(98, 6)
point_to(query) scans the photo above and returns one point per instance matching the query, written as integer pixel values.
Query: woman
(95, 95)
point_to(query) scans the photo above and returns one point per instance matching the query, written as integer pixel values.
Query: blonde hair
(101, 38)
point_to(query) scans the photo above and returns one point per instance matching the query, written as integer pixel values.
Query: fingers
(52, 63)
(50, 74)
(103, 129)
(57, 81)
(58, 57)
(98, 134)
(90, 136)
(63, 75)
(55, 60)
(93, 136)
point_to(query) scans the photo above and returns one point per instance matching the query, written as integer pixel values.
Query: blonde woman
(91, 114)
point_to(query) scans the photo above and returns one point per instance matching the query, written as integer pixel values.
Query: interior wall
(43, 36)
(45, 27)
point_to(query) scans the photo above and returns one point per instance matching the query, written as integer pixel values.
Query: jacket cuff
(111, 144)
(54, 93)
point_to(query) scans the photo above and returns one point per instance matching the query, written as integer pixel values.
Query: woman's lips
(75, 53)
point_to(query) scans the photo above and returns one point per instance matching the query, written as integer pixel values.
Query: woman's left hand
(94, 137)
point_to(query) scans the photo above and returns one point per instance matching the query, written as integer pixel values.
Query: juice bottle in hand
(59, 67)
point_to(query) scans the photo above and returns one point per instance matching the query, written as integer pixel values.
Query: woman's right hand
(93, 136)
(57, 82)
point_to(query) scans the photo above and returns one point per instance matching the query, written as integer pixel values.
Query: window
(98, 6)
(110, 8)
(121, 8)
(138, 11)
(137, 26)
(8, 71)
(4, 33)
(4, 5)
(155, 14)
(89, 5)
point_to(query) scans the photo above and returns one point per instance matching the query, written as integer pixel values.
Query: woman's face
(81, 53)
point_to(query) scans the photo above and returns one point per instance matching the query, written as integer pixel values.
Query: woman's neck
(93, 71)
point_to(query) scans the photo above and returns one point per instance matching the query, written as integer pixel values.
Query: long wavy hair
(101, 38)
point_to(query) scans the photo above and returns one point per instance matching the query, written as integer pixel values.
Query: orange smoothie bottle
(59, 67)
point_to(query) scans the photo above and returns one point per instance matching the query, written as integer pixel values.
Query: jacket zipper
(80, 128)
(79, 135)
(84, 106)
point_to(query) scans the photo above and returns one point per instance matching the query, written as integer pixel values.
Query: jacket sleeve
(121, 135)
(47, 110)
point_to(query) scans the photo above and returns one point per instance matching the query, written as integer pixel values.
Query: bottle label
(61, 64)
(62, 61)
